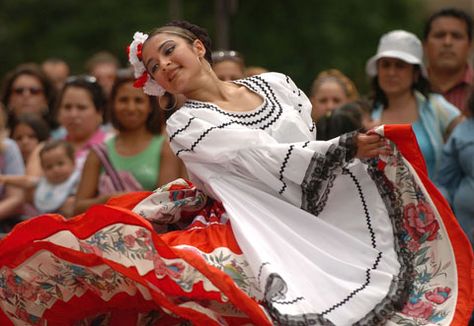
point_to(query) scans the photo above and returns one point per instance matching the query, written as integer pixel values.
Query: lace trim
(321, 172)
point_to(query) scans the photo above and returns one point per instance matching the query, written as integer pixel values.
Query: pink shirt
(98, 137)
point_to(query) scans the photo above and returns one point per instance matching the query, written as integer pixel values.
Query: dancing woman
(284, 229)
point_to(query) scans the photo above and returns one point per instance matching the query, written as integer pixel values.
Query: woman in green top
(138, 152)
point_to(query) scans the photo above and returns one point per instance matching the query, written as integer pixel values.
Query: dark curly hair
(194, 32)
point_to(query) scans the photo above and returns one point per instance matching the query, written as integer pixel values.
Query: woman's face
(78, 114)
(27, 96)
(173, 62)
(329, 96)
(131, 107)
(228, 70)
(25, 138)
(395, 76)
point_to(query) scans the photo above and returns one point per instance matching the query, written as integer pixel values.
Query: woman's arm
(11, 202)
(25, 182)
(87, 192)
(170, 165)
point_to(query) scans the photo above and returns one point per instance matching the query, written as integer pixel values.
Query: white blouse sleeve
(226, 147)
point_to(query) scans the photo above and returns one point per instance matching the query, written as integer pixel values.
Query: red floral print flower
(420, 221)
(420, 309)
(129, 240)
(438, 295)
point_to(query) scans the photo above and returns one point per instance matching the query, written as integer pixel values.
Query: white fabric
(48, 198)
(255, 163)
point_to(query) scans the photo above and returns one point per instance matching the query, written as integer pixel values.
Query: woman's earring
(167, 102)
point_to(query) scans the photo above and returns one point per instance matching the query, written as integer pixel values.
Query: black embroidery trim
(364, 206)
(401, 286)
(181, 129)
(270, 96)
(362, 287)
(283, 166)
(202, 136)
(322, 171)
(313, 127)
(305, 144)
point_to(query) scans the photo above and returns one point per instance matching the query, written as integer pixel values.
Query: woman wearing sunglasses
(27, 90)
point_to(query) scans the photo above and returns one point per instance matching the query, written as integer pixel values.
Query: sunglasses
(31, 90)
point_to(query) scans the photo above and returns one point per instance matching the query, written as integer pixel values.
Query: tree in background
(299, 38)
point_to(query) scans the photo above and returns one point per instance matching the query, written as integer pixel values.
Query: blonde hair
(337, 76)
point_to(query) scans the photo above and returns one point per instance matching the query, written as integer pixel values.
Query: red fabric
(404, 138)
(22, 244)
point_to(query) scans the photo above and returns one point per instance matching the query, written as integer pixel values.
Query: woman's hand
(371, 145)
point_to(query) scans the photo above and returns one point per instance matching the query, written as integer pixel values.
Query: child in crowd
(54, 192)
(28, 131)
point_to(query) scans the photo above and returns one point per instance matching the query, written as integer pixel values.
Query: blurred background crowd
(76, 132)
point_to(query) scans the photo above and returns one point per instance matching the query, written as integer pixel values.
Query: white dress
(323, 240)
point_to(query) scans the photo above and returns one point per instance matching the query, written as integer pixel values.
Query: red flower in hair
(139, 51)
(141, 81)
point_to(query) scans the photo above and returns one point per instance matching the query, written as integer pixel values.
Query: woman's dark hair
(49, 91)
(153, 122)
(195, 32)
(90, 84)
(37, 124)
(422, 85)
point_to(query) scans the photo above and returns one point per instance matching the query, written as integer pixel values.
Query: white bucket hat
(401, 45)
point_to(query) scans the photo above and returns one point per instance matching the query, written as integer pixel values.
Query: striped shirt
(458, 94)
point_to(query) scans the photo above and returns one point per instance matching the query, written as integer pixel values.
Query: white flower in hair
(149, 85)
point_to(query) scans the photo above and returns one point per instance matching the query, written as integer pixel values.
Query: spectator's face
(329, 96)
(25, 138)
(57, 166)
(57, 72)
(447, 45)
(78, 114)
(131, 107)
(395, 76)
(228, 70)
(27, 96)
(105, 73)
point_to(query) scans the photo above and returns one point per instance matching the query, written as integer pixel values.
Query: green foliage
(299, 38)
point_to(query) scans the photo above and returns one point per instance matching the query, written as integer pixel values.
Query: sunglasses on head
(218, 56)
(31, 90)
(81, 78)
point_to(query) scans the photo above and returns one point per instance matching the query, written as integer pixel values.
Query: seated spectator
(456, 172)
(402, 95)
(104, 67)
(228, 65)
(28, 131)
(447, 41)
(330, 89)
(137, 158)
(11, 163)
(27, 90)
(57, 71)
(53, 192)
